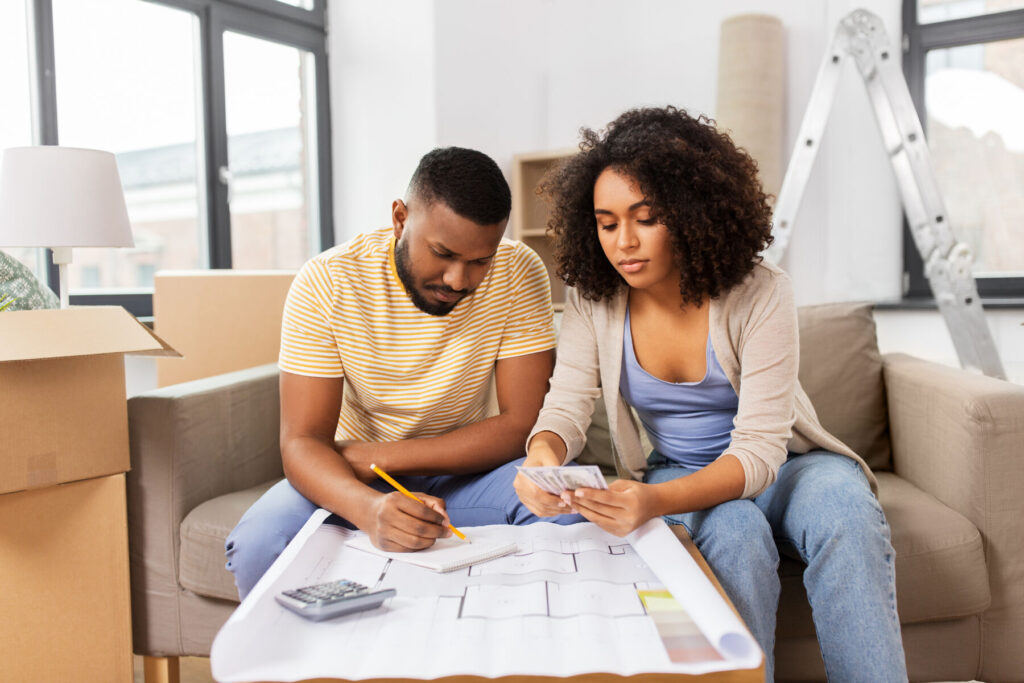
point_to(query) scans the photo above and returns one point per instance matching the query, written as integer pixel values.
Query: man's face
(440, 256)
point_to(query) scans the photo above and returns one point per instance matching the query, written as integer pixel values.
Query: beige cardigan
(753, 329)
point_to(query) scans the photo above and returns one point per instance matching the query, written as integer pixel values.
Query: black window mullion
(279, 10)
(323, 144)
(984, 28)
(258, 26)
(218, 210)
(138, 303)
(44, 85)
(271, 9)
(916, 285)
(44, 96)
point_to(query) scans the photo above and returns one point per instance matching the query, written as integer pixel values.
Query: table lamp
(62, 197)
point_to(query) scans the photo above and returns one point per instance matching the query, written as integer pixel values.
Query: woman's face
(638, 247)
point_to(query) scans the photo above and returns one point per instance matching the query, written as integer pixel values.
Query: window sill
(928, 304)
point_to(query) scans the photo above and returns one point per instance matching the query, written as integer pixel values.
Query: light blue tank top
(687, 422)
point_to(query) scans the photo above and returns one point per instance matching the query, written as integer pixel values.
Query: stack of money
(557, 479)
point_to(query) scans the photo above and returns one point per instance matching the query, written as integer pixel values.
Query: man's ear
(399, 214)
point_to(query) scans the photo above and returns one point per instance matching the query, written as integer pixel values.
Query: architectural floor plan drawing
(571, 600)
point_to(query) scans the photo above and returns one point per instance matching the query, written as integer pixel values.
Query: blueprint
(568, 602)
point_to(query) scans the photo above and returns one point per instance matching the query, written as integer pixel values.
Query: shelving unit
(530, 213)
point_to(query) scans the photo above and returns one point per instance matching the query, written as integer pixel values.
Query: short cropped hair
(701, 186)
(467, 181)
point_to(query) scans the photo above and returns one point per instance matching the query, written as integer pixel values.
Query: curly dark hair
(468, 181)
(702, 187)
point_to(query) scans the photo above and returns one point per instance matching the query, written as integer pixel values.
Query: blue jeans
(821, 511)
(273, 520)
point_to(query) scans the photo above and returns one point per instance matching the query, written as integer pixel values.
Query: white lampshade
(61, 197)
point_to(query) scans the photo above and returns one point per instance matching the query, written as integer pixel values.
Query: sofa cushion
(841, 371)
(940, 563)
(203, 532)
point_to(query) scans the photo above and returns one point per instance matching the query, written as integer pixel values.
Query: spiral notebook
(447, 554)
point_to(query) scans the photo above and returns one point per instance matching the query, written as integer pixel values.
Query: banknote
(557, 479)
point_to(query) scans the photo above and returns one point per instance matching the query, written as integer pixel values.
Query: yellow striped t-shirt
(407, 373)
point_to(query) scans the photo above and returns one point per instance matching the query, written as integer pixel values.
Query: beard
(402, 267)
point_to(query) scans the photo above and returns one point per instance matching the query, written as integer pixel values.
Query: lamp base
(61, 258)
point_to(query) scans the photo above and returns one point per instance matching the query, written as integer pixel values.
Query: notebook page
(447, 554)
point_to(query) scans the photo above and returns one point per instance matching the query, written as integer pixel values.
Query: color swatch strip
(683, 640)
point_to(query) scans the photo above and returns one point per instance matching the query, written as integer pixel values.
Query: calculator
(332, 599)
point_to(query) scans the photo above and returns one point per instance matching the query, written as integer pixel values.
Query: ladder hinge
(906, 283)
(906, 43)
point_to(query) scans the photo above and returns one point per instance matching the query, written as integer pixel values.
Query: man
(409, 324)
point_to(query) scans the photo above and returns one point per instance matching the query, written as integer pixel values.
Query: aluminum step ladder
(947, 262)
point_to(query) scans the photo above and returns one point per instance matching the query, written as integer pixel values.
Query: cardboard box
(64, 572)
(63, 414)
(220, 320)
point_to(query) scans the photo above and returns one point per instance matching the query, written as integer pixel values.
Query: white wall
(924, 334)
(513, 76)
(525, 75)
(383, 113)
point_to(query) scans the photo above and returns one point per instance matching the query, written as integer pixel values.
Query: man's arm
(309, 418)
(520, 385)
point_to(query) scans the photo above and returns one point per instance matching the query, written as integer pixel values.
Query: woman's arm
(575, 382)
(769, 359)
(560, 431)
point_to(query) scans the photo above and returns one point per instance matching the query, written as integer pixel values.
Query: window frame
(264, 19)
(918, 40)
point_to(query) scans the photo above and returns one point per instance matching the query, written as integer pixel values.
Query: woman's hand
(542, 453)
(619, 510)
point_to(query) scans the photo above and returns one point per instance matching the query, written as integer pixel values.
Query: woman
(657, 224)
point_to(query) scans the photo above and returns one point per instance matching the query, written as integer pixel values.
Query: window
(145, 110)
(271, 120)
(964, 64)
(930, 11)
(216, 111)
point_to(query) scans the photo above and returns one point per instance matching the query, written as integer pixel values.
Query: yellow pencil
(387, 477)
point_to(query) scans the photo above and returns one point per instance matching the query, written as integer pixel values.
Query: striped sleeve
(308, 344)
(531, 327)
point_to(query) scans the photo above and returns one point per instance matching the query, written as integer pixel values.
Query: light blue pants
(821, 511)
(273, 520)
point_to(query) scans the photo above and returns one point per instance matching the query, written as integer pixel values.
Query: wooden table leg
(161, 669)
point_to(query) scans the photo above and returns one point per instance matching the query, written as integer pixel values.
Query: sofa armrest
(191, 442)
(960, 437)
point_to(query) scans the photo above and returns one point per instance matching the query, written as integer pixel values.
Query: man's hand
(397, 523)
(622, 508)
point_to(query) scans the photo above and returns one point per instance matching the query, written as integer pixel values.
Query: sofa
(947, 447)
